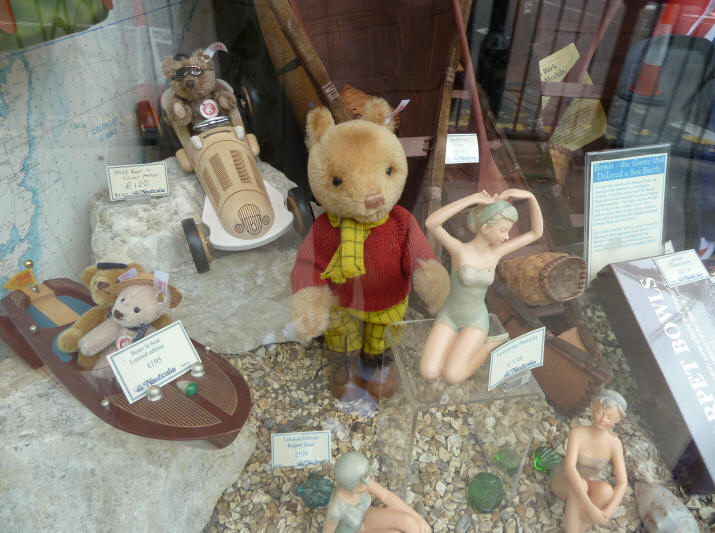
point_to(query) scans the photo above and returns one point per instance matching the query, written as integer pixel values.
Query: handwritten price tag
(462, 148)
(127, 181)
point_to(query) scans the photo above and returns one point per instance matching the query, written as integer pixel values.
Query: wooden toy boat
(216, 414)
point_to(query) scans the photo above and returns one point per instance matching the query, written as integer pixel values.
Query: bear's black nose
(189, 84)
(118, 314)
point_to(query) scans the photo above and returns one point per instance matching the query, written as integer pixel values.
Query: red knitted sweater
(391, 252)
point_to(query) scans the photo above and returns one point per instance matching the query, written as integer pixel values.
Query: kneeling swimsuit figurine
(581, 480)
(349, 510)
(459, 343)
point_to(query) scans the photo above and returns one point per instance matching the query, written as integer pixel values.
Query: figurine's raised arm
(535, 217)
(433, 223)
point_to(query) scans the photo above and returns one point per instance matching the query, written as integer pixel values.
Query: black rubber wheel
(244, 99)
(245, 107)
(196, 245)
(299, 205)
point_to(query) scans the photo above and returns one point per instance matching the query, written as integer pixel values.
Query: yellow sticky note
(556, 66)
(583, 122)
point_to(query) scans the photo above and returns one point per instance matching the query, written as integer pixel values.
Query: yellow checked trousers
(361, 329)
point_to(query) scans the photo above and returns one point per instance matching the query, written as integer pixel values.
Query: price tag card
(523, 353)
(297, 450)
(129, 181)
(462, 148)
(681, 268)
(154, 360)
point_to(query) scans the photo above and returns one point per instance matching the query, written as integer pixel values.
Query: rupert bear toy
(355, 268)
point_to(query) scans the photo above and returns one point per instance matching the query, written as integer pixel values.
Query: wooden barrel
(545, 278)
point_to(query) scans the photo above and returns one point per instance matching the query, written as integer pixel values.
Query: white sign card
(625, 203)
(300, 449)
(461, 148)
(154, 360)
(681, 268)
(127, 181)
(523, 353)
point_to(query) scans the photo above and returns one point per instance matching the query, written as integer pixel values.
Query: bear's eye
(122, 299)
(388, 171)
(136, 309)
(337, 181)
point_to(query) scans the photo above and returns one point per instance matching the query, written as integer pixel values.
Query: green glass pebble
(315, 491)
(545, 459)
(507, 460)
(485, 492)
(191, 389)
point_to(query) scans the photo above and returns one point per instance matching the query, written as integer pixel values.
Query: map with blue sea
(67, 110)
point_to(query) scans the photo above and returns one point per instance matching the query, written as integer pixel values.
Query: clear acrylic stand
(430, 426)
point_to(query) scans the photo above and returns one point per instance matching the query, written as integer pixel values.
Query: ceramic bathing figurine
(581, 480)
(349, 510)
(459, 343)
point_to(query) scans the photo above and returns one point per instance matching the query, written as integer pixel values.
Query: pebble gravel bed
(288, 396)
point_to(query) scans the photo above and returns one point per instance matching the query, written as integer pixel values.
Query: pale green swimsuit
(465, 304)
(348, 516)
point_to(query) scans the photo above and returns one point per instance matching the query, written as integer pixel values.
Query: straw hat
(144, 278)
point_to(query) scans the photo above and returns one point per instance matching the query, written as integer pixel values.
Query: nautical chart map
(67, 110)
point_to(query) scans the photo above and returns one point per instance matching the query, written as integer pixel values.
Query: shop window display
(342, 121)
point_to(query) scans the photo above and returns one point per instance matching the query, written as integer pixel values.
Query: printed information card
(154, 360)
(681, 268)
(625, 204)
(523, 353)
(461, 148)
(297, 450)
(126, 181)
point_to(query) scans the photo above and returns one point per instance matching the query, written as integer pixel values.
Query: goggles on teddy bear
(190, 70)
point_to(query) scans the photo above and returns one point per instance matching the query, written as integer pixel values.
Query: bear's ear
(317, 122)
(202, 59)
(88, 273)
(377, 110)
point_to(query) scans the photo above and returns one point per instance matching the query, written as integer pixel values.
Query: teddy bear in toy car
(197, 95)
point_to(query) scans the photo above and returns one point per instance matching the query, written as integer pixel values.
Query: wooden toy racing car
(240, 209)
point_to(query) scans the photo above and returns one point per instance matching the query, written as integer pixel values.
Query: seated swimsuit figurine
(581, 480)
(458, 343)
(349, 509)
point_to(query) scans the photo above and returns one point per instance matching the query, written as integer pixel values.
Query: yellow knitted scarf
(348, 261)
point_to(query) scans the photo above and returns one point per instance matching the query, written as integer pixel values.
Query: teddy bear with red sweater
(356, 267)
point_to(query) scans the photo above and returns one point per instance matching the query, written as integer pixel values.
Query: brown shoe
(384, 380)
(343, 376)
